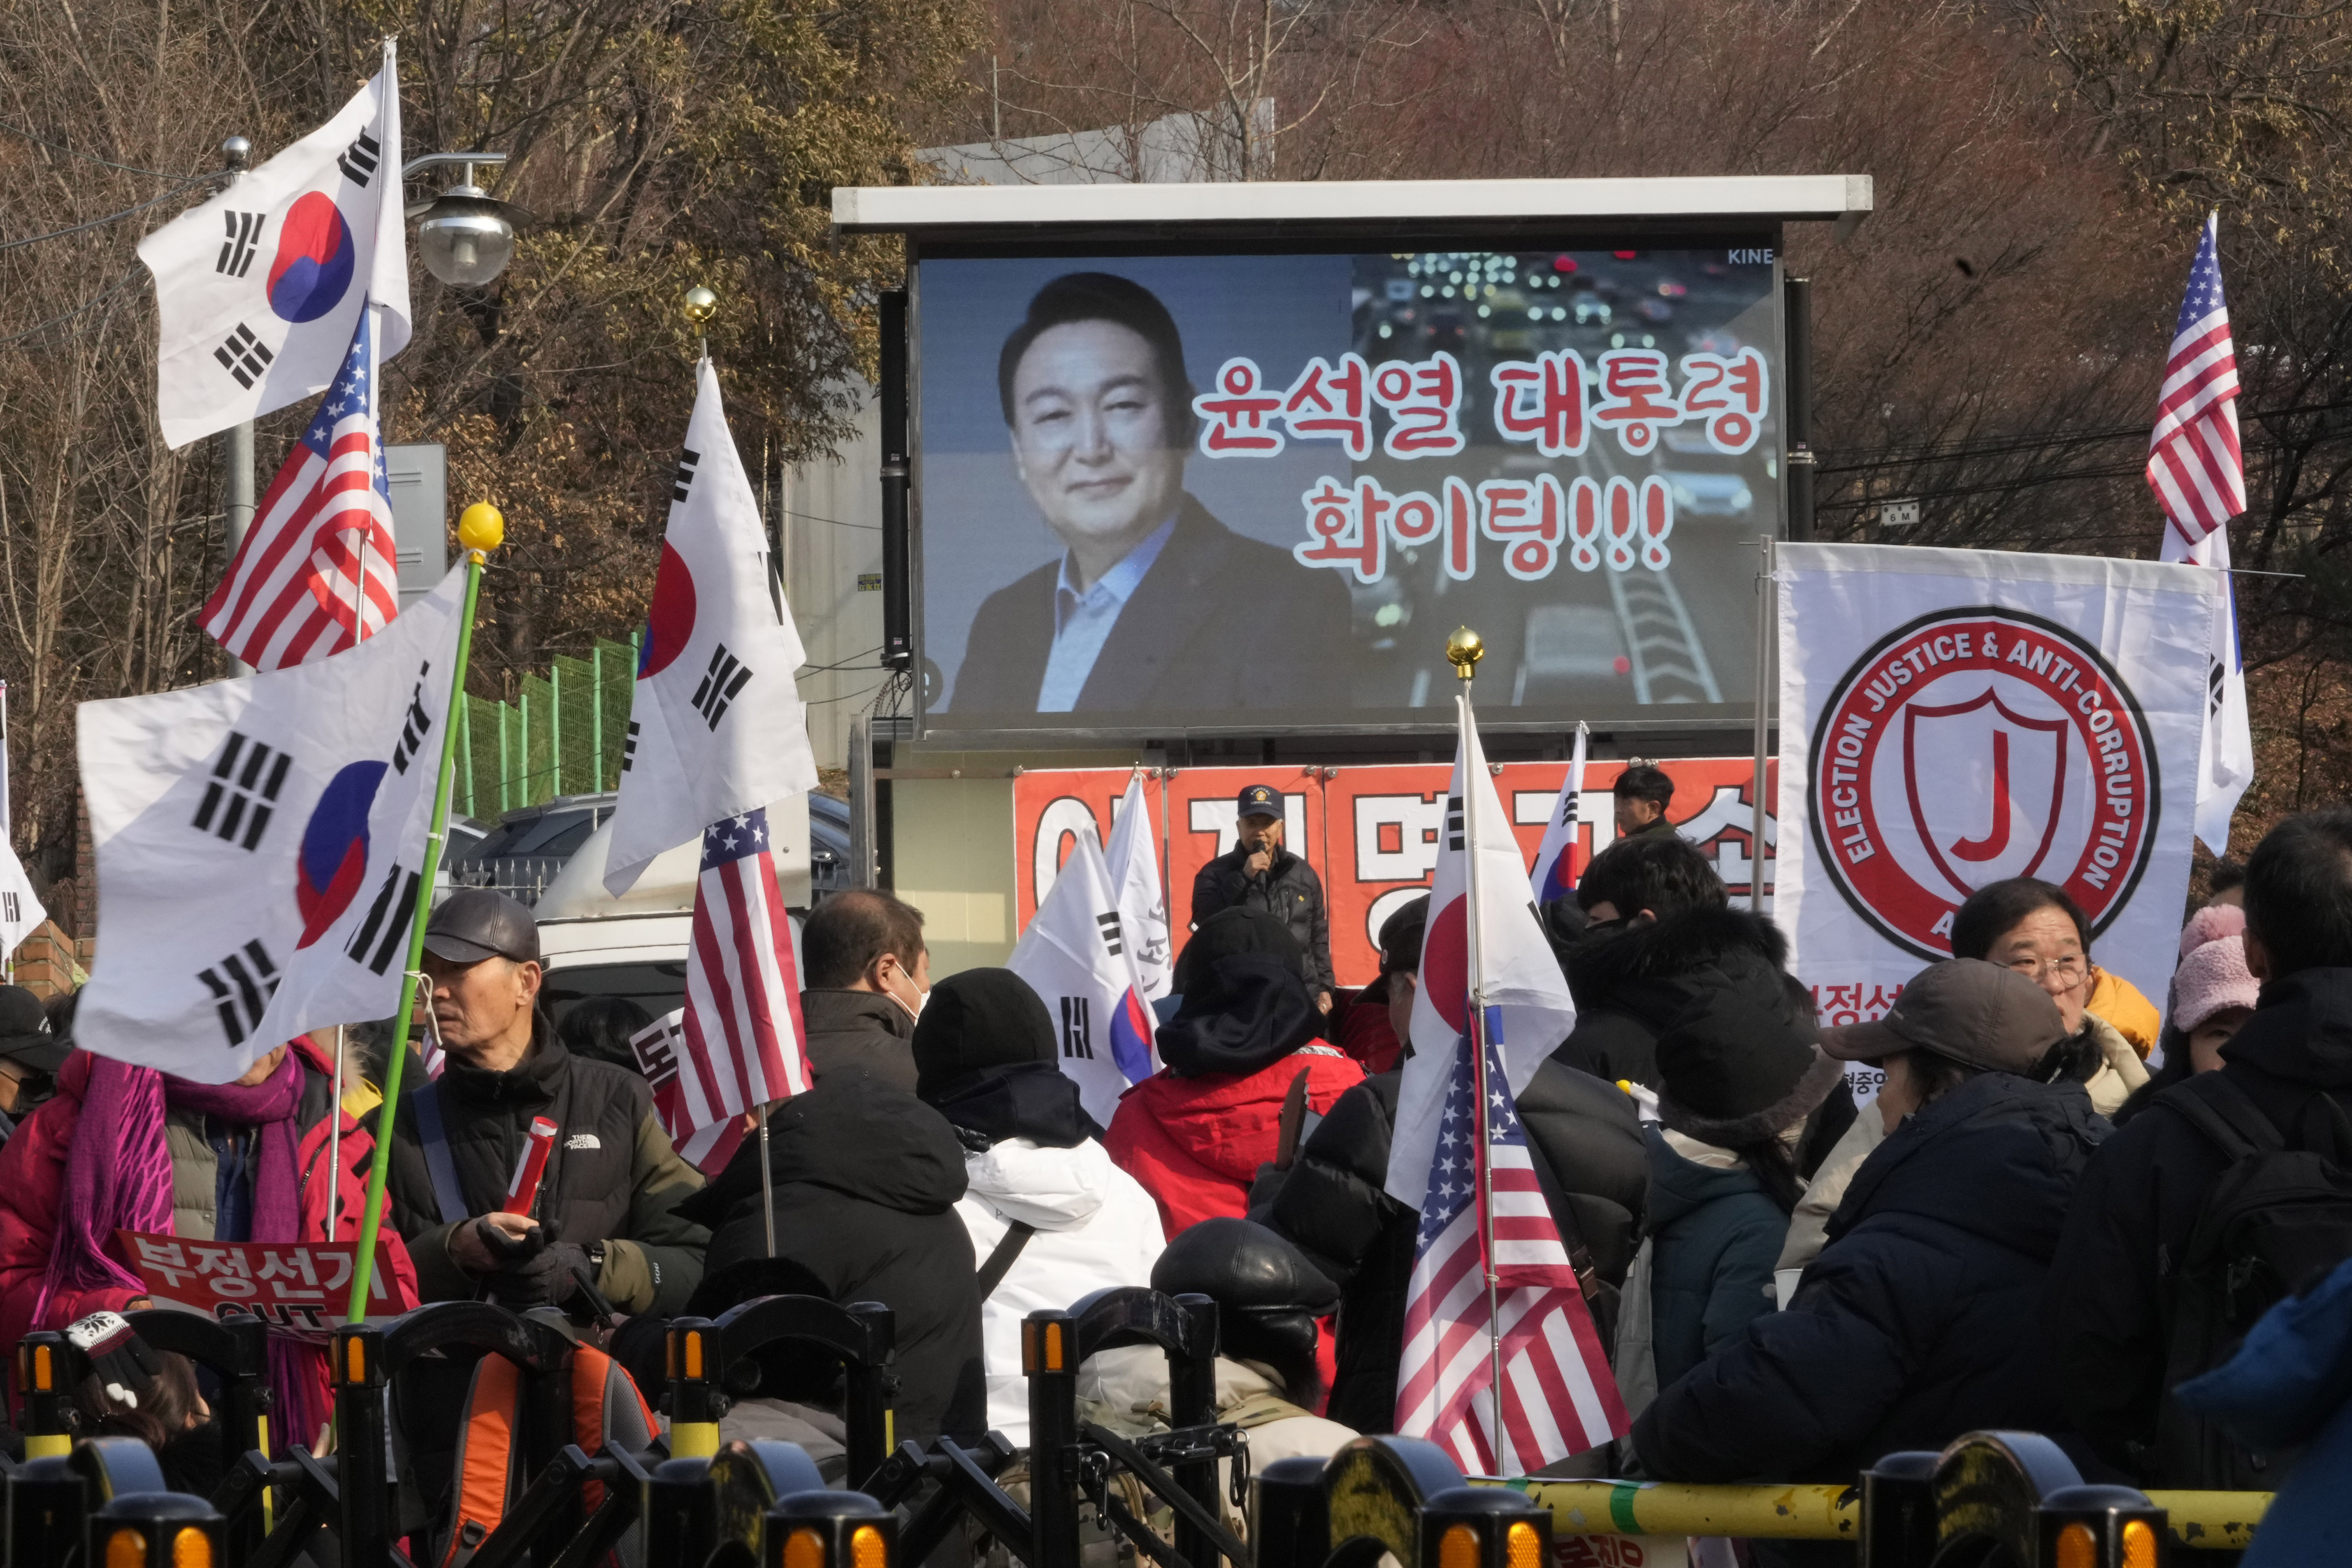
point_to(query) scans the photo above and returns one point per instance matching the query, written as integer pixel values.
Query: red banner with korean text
(1371, 833)
(302, 1289)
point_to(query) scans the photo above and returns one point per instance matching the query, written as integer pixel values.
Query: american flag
(738, 1043)
(2194, 462)
(1559, 1394)
(318, 570)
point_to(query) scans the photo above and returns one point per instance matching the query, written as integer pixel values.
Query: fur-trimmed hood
(1651, 970)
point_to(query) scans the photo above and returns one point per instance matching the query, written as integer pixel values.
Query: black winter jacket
(1288, 890)
(1629, 982)
(859, 1031)
(865, 1182)
(1588, 1145)
(612, 1176)
(1916, 1322)
(2105, 1308)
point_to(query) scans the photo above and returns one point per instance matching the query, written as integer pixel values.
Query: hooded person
(1740, 1087)
(865, 1179)
(1051, 1218)
(1195, 1132)
(1333, 1204)
(1916, 1322)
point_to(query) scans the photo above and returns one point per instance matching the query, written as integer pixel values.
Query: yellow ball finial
(1464, 650)
(700, 305)
(482, 527)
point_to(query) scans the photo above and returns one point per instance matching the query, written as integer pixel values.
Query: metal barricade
(702, 1350)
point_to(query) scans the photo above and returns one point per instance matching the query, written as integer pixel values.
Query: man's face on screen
(1090, 427)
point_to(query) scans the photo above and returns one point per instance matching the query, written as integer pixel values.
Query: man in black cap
(29, 1057)
(604, 1213)
(1259, 873)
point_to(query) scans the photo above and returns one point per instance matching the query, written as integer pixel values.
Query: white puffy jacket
(1096, 1228)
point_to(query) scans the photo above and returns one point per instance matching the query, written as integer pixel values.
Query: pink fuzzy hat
(2211, 924)
(2212, 978)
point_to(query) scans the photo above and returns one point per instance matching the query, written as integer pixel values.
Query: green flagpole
(481, 530)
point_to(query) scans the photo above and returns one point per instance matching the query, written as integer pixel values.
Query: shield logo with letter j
(1987, 784)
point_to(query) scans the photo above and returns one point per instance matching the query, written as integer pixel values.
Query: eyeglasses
(2068, 969)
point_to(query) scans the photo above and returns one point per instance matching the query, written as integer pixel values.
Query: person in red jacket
(1195, 1133)
(125, 1148)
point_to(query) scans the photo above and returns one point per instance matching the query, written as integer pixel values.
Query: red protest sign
(303, 1288)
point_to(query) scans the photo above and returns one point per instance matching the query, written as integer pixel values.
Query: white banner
(1951, 719)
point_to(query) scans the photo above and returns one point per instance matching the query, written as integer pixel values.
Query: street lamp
(468, 235)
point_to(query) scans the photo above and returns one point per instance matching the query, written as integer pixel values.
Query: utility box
(418, 477)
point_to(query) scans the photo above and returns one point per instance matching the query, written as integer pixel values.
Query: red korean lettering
(1417, 518)
(1344, 529)
(1423, 398)
(1635, 399)
(1882, 1000)
(1529, 518)
(1234, 416)
(1328, 404)
(1656, 510)
(1843, 1006)
(1729, 394)
(1584, 523)
(1542, 401)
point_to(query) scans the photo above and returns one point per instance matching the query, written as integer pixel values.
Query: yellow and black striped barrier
(2214, 1521)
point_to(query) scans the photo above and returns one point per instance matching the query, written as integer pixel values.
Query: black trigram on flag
(359, 160)
(1077, 1028)
(1109, 924)
(244, 356)
(720, 683)
(629, 747)
(10, 910)
(417, 725)
(686, 458)
(656, 1052)
(241, 985)
(238, 251)
(377, 941)
(242, 791)
(1453, 821)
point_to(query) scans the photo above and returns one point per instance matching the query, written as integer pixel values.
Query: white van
(593, 945)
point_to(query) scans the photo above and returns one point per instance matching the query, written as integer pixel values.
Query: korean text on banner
(296, 1286)
(1954, 718)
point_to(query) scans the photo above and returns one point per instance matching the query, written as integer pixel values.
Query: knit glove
(117, 1354)
(565, 1284)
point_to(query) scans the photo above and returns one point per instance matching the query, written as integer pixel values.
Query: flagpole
(1464, 649)
(481, 530)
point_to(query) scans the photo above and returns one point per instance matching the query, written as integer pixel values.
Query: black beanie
(1231, 931)
(1732, 1072)
(977, 1019)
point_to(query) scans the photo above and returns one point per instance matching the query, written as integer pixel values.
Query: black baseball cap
(1401, 937)
(1259, 800)
(475, 923)
(1978, 1014)
(25, 1034)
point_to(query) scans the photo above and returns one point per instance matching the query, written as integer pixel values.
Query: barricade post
(49, 1508)
(696, 1400)
(46, 1370)
(157, 1529)
(1898, 1511)
(861, 1334)
(1050, 1357)
(1482, 1527)
(681, 1512)
(829, 1530)
(1289, 1522)
(363, 1471)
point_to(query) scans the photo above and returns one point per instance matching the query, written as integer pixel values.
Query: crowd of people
(2065, 1201)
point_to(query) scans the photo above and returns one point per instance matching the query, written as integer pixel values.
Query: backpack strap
(2226, 1115)
(1000, 1261)
(485, 1457)
(447, 1192)
(607, 1412)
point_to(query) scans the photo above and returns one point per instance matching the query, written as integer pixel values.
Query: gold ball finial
(1464, 650)
(700, 305)
(482, 527)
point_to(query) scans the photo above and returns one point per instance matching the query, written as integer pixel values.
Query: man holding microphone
(1261, 873)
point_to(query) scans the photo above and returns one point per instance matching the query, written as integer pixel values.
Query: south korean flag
(260, 847)
(258, 290)
(717, 728)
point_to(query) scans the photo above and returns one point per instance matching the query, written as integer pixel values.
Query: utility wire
(119, 285)
(110, 217)
(78, 153)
